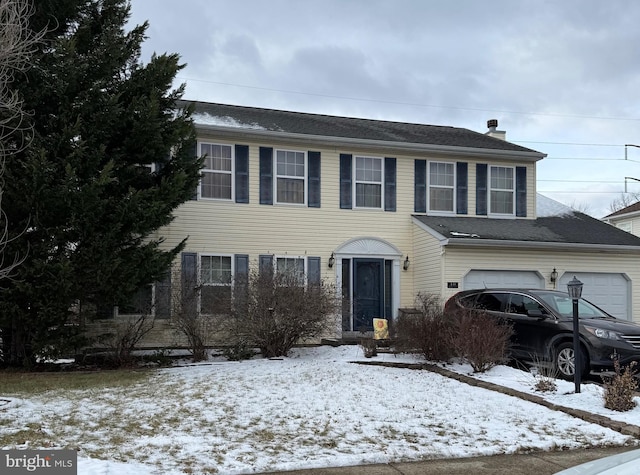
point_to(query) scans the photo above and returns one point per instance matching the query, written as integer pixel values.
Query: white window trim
(208, 170)
(455, 178)
(490, 189)
(202, 284)
(356, 182)
(276, 176)
(288, 256)
(625, 226)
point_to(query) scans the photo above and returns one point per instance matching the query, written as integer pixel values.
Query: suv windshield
(563, 305)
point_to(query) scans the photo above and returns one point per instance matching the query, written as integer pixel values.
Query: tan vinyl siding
(428, 263)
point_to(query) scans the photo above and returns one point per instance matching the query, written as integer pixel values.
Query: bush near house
(274, 311)
(426, 330)
(480, 339)
(468, 334)
(620, 388)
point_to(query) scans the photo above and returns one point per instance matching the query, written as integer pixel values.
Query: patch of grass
(29, 384)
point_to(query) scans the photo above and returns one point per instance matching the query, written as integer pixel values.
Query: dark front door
(368, 292)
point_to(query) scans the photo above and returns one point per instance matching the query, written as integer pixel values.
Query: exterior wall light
(554, 276)
(332, 260)
(406, 264)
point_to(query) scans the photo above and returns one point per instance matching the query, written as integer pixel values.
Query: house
(627, 218)
(384, 210)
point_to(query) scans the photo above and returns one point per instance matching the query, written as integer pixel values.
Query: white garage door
(480, 279)
(611, 292)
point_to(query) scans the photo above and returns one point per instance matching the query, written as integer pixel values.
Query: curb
(625, 429)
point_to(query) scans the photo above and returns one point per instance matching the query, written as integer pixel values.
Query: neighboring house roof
(634, 208)
(567, 228)
(256, 120)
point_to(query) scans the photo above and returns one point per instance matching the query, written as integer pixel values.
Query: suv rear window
(495, 302)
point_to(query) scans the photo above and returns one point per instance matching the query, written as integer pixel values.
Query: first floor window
(215, 280)
(141, 303)
(217, 173)
(441, 186)
(291, 266)
(368, 182)
(290, 176)
(502, 190)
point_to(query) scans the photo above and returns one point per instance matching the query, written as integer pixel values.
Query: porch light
(406, 264)
(332, 260)
(554, 276)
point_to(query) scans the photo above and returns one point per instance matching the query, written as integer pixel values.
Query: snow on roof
(225, 121)
(546, 207)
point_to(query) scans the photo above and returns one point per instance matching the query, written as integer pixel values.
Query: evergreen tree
(110, 159)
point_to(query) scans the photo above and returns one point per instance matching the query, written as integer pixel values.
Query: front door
(368, 292)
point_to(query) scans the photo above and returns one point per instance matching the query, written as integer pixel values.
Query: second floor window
(368, 182)
(441, 187)
(502, 190)
(290, 176)
(217, 174)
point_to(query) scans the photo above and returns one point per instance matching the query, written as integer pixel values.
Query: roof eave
(471, 242)
(258, 134)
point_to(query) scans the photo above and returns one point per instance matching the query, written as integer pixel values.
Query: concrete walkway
(537, 463)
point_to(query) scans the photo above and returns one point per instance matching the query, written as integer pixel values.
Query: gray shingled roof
(572, 228)
(347, 127)
(629, 209)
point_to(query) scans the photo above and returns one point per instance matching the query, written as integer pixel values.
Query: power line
(380, 101)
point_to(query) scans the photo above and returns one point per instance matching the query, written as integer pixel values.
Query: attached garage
(610, 291)
(480, 279)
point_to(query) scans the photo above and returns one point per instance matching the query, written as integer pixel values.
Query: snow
(225, 121)
(547, 207)
(314, 408)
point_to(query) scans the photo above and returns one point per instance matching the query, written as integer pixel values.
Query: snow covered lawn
(312, 409)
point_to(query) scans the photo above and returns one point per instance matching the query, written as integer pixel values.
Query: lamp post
(574, 288)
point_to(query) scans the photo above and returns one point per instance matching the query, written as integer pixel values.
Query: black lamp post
(574, 288)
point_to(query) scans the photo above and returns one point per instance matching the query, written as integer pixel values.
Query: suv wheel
(564, 361)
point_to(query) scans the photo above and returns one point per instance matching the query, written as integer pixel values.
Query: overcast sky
(562, 77)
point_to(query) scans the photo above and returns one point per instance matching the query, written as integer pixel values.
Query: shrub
(273, 311)
(369, 347)
(426, 330)
(619, 389)
(480, 339)
(125, 336)
(545, 375)
(239, 350)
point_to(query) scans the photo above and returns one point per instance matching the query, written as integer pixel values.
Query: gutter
(222, 131)
(565, 246)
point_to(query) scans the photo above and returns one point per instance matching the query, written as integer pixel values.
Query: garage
(610, 291)
(481, 279)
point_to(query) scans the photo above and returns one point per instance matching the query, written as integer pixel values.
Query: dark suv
(543, 328)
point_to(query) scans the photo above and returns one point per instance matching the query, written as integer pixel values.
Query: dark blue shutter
(420, 186)
(313, 270)
(163, 296)
(345, 181)
(313, 199)
(242, 174)
(389, 184)
(462, 188)
(193, 150)
(241, 281)
(189, 283)
(265, 263)
(266, 176)
(481, 189)
(521, 191)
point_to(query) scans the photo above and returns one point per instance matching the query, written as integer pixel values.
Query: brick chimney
(492, 124)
